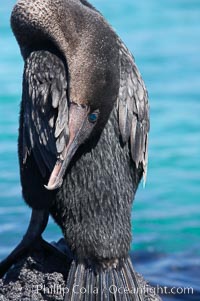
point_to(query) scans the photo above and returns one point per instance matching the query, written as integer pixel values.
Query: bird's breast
(93, 206)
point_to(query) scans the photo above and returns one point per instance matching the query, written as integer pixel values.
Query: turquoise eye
(92, 117)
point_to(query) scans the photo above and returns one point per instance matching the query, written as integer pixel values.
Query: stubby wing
(133, 109)
(45, 109)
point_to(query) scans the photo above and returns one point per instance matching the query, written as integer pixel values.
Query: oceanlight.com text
(76, 289)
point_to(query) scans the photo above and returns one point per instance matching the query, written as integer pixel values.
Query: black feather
(133, 108)
(45, 104)
(110, 284)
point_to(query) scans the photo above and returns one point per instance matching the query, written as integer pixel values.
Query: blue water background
(164, 37)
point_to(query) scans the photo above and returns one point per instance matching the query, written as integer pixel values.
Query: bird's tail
(114, 284)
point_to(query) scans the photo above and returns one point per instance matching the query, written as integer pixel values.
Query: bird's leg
(37, 225)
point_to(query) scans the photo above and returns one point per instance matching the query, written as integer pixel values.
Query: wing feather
(45, 103)
(133, 109)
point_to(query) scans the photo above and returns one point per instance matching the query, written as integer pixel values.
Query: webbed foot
(59, 249)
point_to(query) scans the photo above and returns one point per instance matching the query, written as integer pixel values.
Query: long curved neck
(79, 33)
(36, 23)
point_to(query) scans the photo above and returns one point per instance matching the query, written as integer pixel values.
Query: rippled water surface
(164, 37)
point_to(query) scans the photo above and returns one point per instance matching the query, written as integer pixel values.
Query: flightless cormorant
(83, 138)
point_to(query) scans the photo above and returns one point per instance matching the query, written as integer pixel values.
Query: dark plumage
(83, 130)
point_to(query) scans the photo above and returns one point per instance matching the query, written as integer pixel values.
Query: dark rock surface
(41, 276)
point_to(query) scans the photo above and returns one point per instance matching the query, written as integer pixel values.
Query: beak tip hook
(55, 186)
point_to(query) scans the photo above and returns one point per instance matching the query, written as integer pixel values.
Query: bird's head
(82, 122)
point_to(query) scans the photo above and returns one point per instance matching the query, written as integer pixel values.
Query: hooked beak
(79, 130)
(56, 178)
